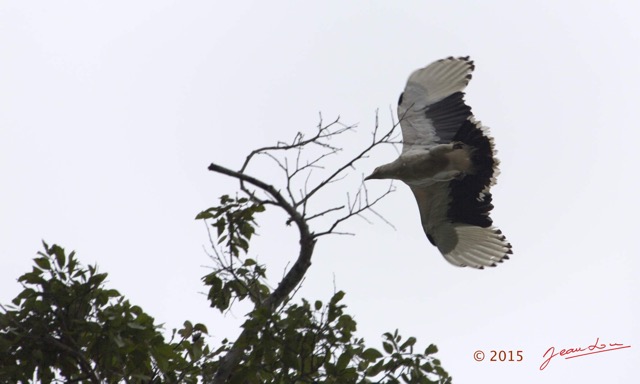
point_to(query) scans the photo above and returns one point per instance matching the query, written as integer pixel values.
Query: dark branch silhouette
(290, 158)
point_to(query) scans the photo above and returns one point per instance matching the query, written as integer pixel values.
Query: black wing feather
(447, 115)
(469, 204)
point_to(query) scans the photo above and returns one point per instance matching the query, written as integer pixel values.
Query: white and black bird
(448, 161)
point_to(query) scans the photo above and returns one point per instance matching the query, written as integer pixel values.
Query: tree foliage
(67, 326)
(299, 342)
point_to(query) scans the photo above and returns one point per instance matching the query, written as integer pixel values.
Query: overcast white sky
(111, 112)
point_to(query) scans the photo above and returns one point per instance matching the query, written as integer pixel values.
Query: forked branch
(296, 208)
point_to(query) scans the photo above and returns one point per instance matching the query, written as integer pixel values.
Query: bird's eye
(400, 99)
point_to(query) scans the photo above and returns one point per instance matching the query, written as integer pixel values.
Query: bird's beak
(374, 175)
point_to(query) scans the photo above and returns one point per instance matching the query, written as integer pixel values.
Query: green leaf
(375, 369)
(118, 340)
(134, 325)
(43, 263)
(196, 351)
(337, 297)
(112, 293)
(34, 277)
(343, 360)
(431, 349)
(371, 354)
(318, 305)
(387, 347)
(220, 225)
(204, 215)
(71, 266)
(60, 258)
(201, 328)
(409, 343)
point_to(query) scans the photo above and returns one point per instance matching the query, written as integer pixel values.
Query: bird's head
(378, 173)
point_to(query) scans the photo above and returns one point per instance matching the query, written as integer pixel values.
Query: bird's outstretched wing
(431, 108)
(455, 214)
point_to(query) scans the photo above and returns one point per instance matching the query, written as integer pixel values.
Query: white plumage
(448, 161)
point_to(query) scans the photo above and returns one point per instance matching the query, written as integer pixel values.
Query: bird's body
(422, 168)
(448, 162)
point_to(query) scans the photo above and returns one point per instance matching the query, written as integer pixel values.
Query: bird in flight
(448, 160)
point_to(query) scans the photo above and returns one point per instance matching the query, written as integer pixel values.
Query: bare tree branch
(356, 209)
(323, 133)
(375, 142)
(324, 212)
(286, 285)
(296, 210)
